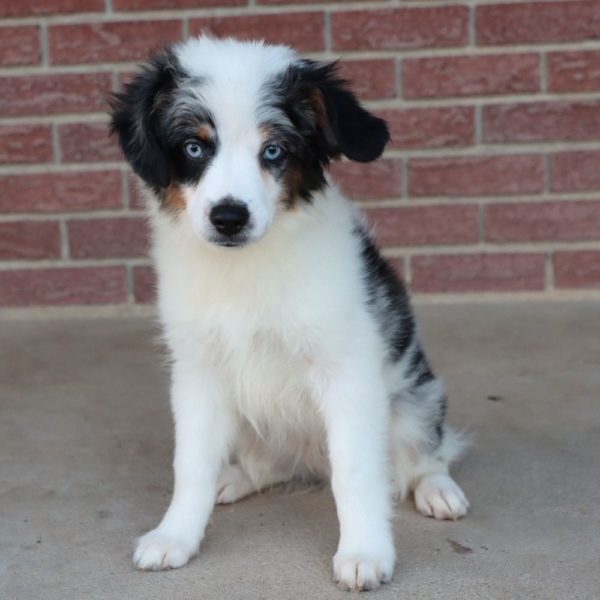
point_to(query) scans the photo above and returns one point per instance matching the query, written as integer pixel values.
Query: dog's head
(233, 133)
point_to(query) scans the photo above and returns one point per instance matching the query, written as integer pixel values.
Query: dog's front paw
(158, 550)
(440, 497)
(362, 572)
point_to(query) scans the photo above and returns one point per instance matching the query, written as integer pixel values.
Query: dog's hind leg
(233, 484)
(423, 446)
(253, 468)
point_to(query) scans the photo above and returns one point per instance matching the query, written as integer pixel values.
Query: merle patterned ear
(134, 118)
(348, 128)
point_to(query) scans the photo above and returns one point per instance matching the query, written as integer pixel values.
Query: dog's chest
(274, 386)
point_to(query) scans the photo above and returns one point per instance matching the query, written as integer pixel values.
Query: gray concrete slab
(85, 444)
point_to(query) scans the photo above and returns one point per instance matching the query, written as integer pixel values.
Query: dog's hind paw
(440, 497)
(233, 485)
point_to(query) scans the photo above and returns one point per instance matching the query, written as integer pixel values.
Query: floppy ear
(347, 127)
(135, 116)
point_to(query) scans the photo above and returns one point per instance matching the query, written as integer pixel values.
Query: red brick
(109, 42)
(577, 269)
(400, 28)
(541, 122)
(288, 2)
(367, 181)
(537, 22)
(59, 287)
(430, 127)
(29, 239)
(25, 8)
(470, 75)
(477, 175)
(25, 144)
(54, 192)
(478, 273)
(574, 71)
(135, 196)
(125, 77)
(144, 284)
(108, 238)
(305, 31)
(542, 221)
(87, 142)
(171, 4)
(420, 225)
(575, 171)
(19, 46)
(370, 79)
(54, 94)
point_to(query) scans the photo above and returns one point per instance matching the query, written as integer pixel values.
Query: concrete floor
(85, 445)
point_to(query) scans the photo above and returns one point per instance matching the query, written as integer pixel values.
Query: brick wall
(491, 183)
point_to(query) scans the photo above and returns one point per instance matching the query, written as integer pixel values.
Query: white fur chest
(271, 319)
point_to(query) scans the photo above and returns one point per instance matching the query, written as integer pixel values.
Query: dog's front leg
(356, 411)
(203, 427)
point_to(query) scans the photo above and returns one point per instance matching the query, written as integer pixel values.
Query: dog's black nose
(229, 217)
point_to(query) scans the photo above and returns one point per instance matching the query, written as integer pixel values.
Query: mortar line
(56, 152)
(543, 72)
(399, 88)
(44, 46)
(547, 173)
(404, 175)
(478, 125)
(64, 239)
(125, 196)
(481, 223)
(129, 283)
(472, 28)
(549, 271)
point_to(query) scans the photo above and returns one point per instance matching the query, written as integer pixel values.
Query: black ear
(135, 118)
(348, 128)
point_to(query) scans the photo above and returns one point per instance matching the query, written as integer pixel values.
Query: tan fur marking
(174, 199)
(205, 133)
(292, 181)
(265, 132)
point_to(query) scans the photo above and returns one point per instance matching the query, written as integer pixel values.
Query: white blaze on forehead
(234, 73)
(239, 61)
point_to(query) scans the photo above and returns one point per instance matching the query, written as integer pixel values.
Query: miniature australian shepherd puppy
(294, 351)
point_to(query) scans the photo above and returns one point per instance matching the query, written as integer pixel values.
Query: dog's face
(230, 134)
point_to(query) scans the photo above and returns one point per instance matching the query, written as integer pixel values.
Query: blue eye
(193, 150)
(273, 152)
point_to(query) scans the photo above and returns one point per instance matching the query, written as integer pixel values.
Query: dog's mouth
(237, 241)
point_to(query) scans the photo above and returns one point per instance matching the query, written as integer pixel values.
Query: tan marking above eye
(205, 132)
(265, 132)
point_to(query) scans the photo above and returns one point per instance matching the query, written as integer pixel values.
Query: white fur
(278, 364)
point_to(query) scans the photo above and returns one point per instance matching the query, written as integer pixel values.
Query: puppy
(294, 350)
